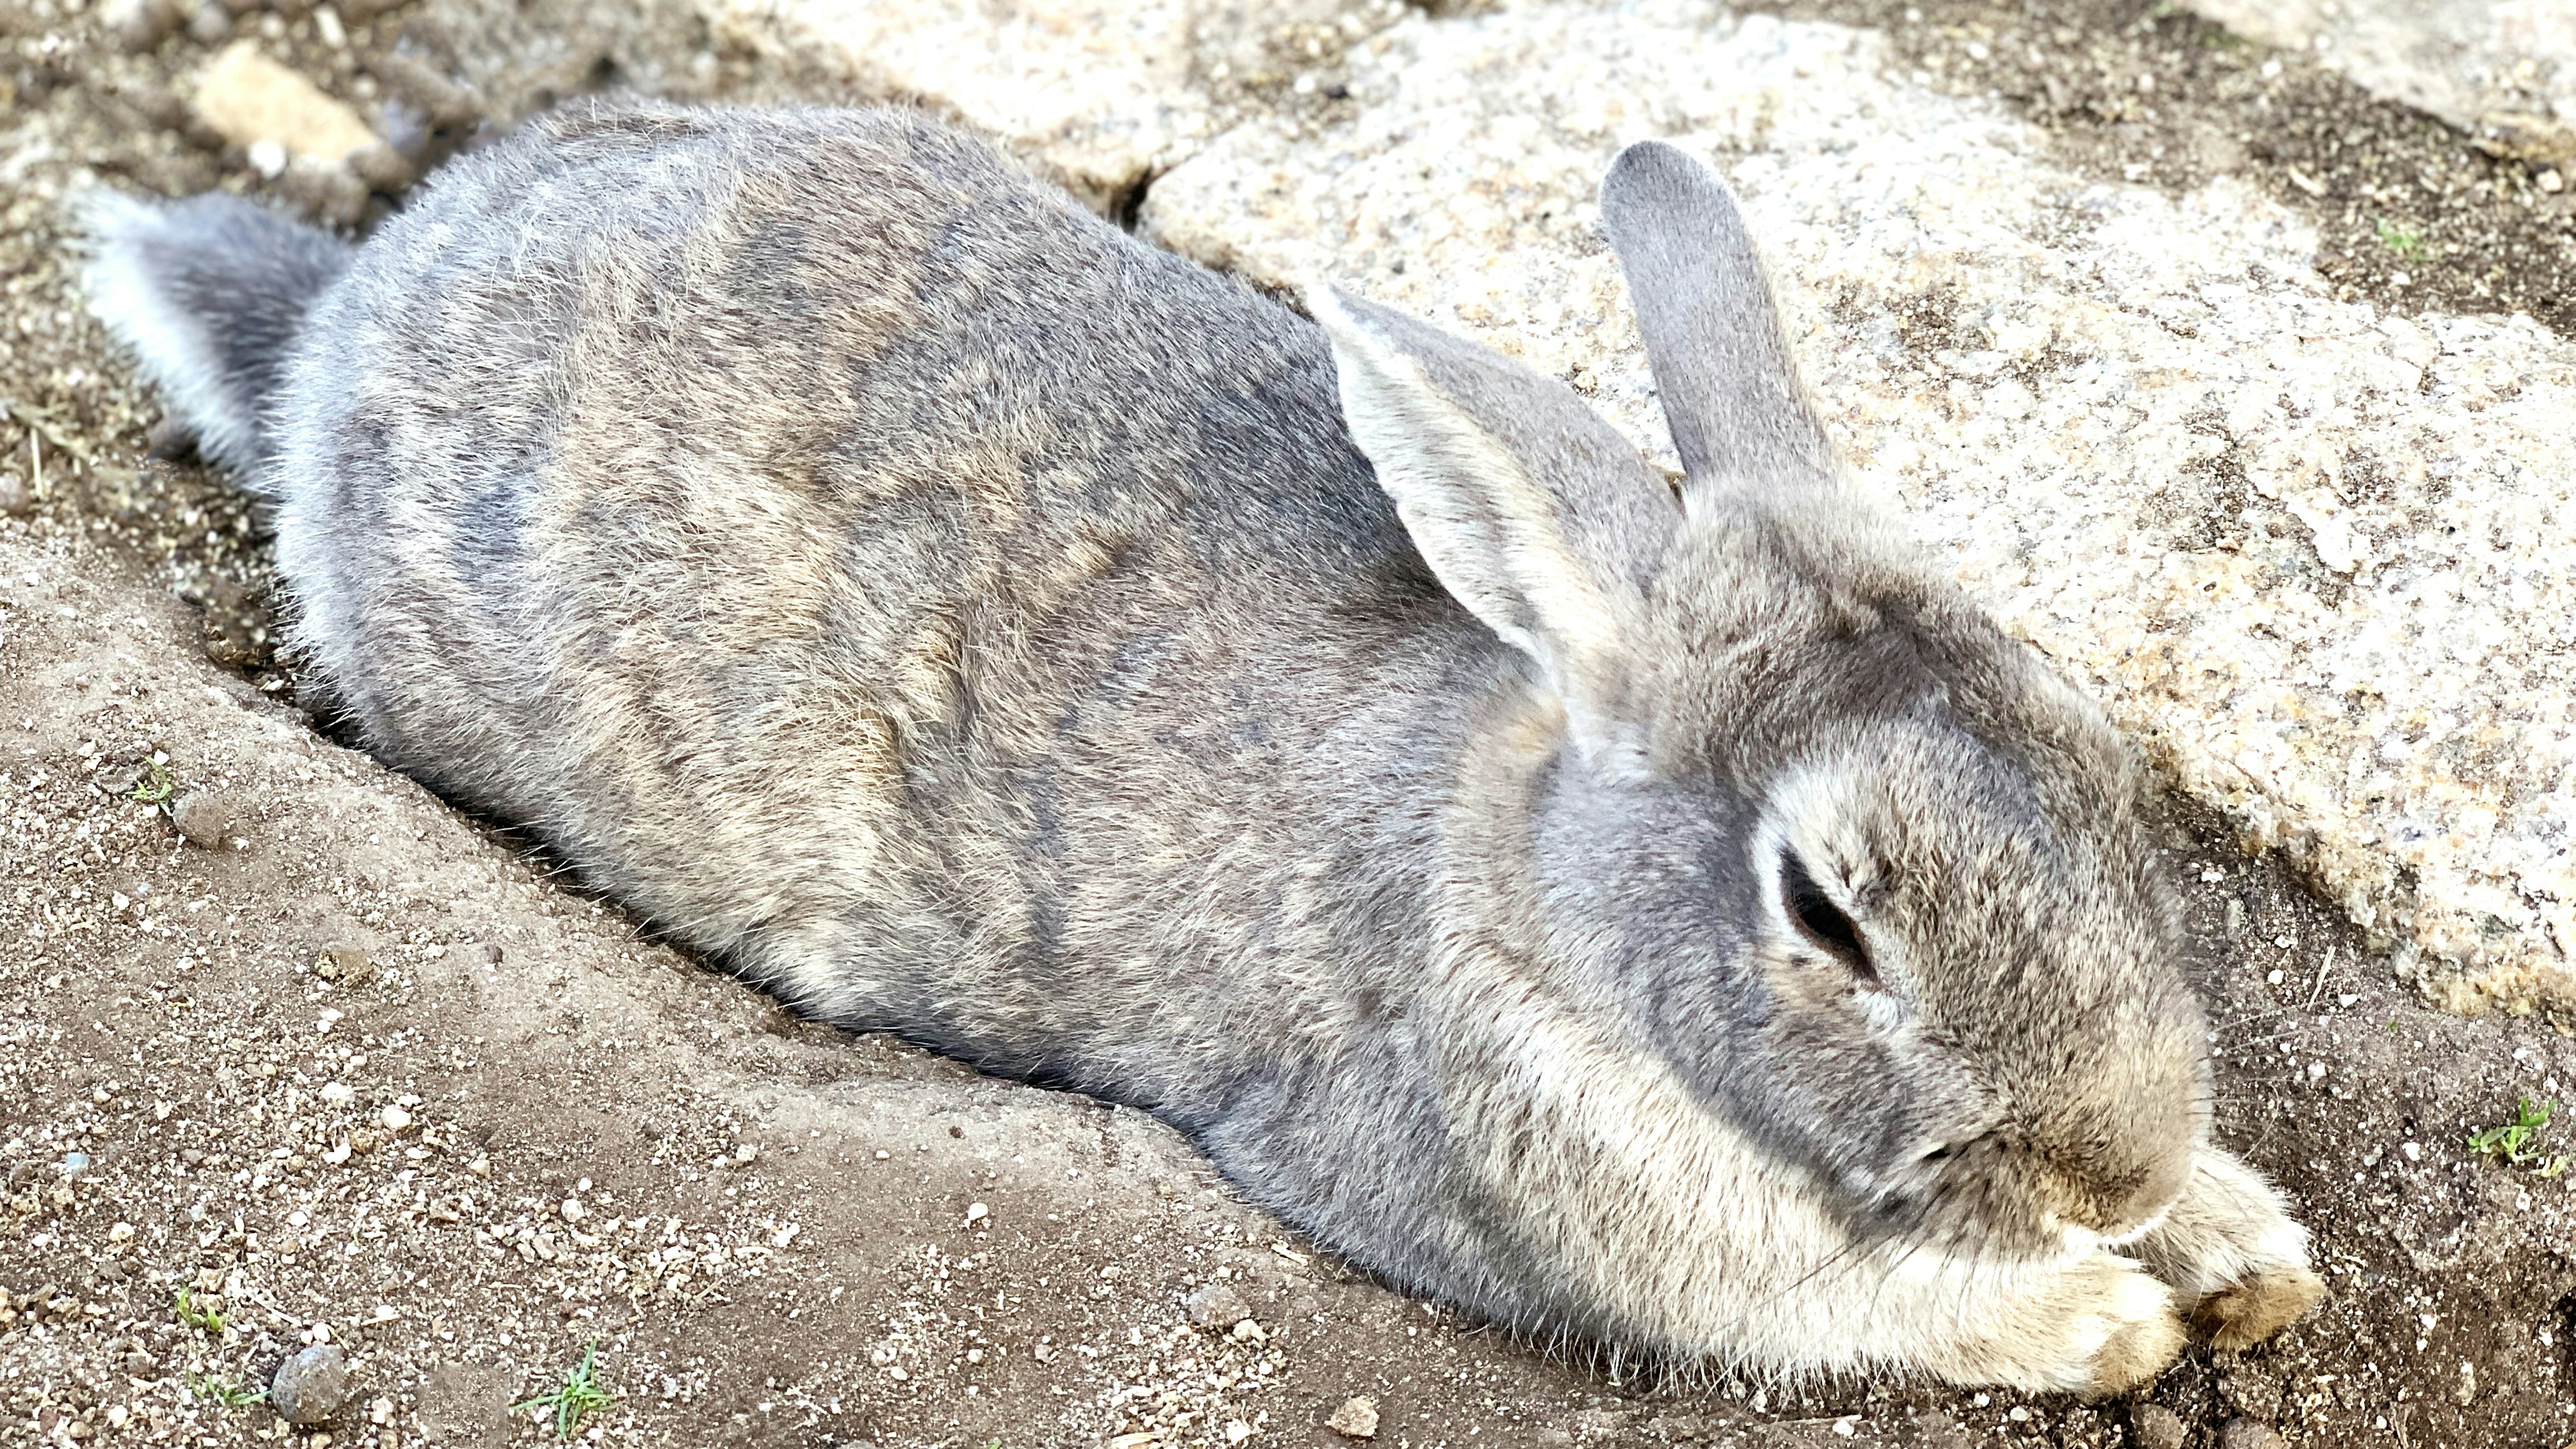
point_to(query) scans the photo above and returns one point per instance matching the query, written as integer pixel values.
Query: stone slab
(2319, 559)
(2502, 70)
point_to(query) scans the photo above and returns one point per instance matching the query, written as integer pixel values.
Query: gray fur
(901, 586)
(211, 293)
(1730, 391)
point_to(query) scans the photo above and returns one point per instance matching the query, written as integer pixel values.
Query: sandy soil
(291, 1052)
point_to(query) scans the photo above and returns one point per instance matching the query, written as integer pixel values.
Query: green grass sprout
(2405, 241)
(2518, 1142)
(580, 1395)
(225, 1392)
(196, 1314)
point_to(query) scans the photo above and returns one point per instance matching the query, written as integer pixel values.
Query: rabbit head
(1851, 864)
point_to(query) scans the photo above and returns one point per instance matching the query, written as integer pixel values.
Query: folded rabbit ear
(1739, 417)
(1535, 514)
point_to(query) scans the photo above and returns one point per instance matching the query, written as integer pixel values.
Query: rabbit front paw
(2231, 1251)
(2131, 1323)
(2097, 1326)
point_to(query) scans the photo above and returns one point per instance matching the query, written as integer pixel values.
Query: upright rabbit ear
(1739, 417)
(1537, 515)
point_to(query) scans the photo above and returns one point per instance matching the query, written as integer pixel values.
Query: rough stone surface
(2316, 557)
(1096, 95)
(1099, 95)
(2503, 70)
(1101, 91)
(311, 1386)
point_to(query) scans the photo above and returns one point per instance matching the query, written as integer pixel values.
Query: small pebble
(2246, 1434)
(2156, 1426)
(394, 1118)
(205, 819)
(1216, 1306)
(141, 24)
(1355, 1419)
(348, 965)
(311, 1386)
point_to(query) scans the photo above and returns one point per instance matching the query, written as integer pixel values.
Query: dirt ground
(289, 1051)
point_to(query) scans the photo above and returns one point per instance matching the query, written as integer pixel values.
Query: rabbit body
(1689, 926)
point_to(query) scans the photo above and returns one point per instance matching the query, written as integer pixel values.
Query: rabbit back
(878, 571)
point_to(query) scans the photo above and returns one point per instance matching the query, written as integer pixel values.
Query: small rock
(345, 964)
(210, 23)
(1355, 1419)
(572, 1210)
(1249, 1331)
(311, 1386)
(14, 497)
(394, 1118)
(746, 1154)
(248, 98)
(2246, 1434)
(139, 25)
(75, 1163)
(205, 819)
(2156, 1426)
(141, 1365)
(976, 1212)
(1216, 1306)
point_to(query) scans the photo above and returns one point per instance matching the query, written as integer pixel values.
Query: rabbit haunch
(1680, 923)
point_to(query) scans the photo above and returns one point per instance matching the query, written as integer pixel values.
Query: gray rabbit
(1671, 919)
